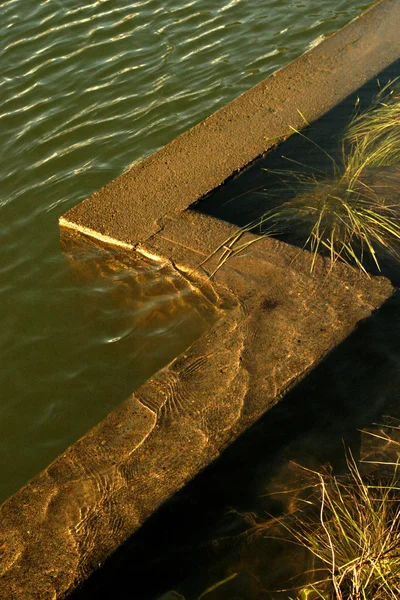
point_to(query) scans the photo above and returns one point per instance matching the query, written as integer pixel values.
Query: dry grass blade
(352, 531)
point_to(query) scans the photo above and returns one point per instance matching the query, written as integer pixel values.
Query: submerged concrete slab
(277, 322)
(136, 204)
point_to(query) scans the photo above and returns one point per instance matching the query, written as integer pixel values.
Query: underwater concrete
(277, 321)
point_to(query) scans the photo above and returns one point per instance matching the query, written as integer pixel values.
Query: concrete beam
(135, 205)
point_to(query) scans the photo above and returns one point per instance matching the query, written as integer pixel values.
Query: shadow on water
(194, 539)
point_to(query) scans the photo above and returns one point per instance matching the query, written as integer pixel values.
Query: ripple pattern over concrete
(279, 321)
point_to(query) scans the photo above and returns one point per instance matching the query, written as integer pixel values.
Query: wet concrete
(277, 322)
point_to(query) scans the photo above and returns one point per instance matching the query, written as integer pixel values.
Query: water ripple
(86, 89)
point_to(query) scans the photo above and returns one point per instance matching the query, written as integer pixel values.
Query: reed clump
(351, 528)
(358, 211)
(354, 215)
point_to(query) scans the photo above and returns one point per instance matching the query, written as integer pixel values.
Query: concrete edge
(136, 205)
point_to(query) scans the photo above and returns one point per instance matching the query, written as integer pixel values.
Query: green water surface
(86, 89)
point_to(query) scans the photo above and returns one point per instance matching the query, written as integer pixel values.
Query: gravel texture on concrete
(135, 205)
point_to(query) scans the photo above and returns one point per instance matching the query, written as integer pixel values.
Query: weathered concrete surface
(279, 321)
(135, 205)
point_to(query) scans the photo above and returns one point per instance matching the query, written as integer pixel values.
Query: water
(86, 90)
(200, 536)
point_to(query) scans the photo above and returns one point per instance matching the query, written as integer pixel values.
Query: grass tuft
(352, 531)
(356, 213)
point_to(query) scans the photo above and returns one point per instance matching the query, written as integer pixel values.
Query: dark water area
(128, 317)
(201, 536)
(196, 539)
